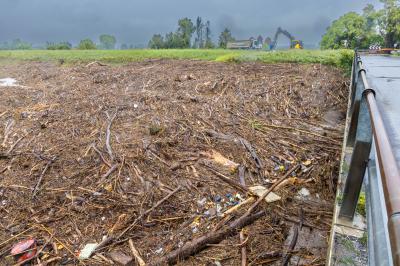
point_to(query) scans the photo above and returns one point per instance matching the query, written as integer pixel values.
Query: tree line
(373, 27)
(106, 42)
(200, 32)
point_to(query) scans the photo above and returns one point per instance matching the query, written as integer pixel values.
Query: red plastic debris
(24, 250)
(22, 246)
(28, 255)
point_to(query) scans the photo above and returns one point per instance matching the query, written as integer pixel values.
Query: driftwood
(230, 181)
(293, 242)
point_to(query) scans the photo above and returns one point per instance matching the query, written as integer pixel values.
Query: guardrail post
(355, 109)
(359, 159)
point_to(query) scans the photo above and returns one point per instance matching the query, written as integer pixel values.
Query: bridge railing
(372, 151)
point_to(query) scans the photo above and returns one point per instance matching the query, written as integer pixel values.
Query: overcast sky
(134, 21)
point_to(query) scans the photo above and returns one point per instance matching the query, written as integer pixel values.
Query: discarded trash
(260, 190)
(159, 251)
(303, 192)
(231, 200)
(24, 250)
(202, 201)
(279, 168)
(217, 198)
(87, 250)
(121, 258)
(8, 82)
(22, 246)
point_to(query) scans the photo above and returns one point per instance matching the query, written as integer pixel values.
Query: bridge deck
(383, 74)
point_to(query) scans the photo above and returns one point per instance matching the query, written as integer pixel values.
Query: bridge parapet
(371, 160)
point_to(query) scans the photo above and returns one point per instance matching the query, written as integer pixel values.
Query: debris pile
(162, 161)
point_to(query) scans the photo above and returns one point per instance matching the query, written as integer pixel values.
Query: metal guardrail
(367, 131)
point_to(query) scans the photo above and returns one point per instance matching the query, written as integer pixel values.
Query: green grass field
(338, 58)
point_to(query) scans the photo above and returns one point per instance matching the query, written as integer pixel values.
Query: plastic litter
(8, 82)
(303, 192)
(87, 250)
(24, 250)
(259, 191)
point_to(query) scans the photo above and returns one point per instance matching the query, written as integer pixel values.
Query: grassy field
(339, 58)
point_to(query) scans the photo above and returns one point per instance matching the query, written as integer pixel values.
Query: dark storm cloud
(134, 22)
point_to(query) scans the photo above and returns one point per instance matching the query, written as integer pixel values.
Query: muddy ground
(87, 151)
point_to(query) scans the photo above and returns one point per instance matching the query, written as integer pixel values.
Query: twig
(7, 131)
(108, 134)
(243, 248)
(148, 211)
(241, 235)
(230, 181)
(101, 155)
(15, 144)
(136, 254)
(242, 170)
(109, 172)
(36, 189)
(111, 238)
(94, 63)
(13, 237)
(301, 131)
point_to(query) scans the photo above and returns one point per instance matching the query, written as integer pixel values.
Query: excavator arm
(293, 42)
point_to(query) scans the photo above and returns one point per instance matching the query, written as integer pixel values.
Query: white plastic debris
(260, 190)
(87, 250)
(135, 105)
(159, 251)
(8, 82)
(303, 192)
(202, 201)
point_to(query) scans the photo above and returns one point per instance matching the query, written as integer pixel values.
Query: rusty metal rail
(367, 124)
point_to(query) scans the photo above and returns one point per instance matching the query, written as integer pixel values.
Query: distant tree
(371, 28)
(156, 42)
(209, 44)
(18, 44)
(381, 27)
(224, 38)
(199, 28)
(124, 46)
(185, 31)
(87, 44)
(346, 32)
(174, 40)
(389, 22)
(58, 46)
(107, 42)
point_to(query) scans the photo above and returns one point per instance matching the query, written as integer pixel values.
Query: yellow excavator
(294, 44)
